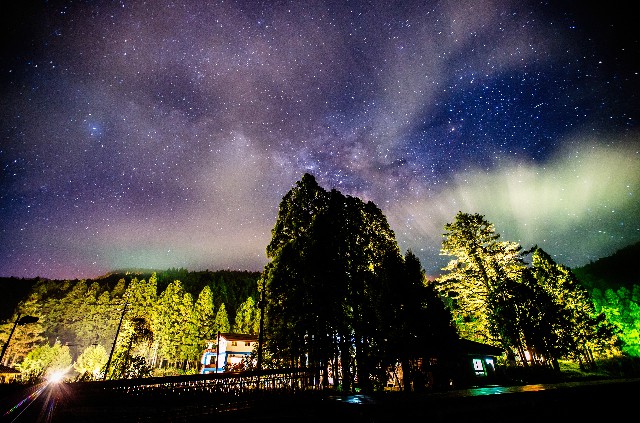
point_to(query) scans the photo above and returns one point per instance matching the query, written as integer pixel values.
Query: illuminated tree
(221, 322)
(247, 318)
(582, 331)
(481, 265)
(526, 320)
(134, 340)
(142, 295)
(45, 360)
(90, 362)
(105, 320)
(25, 336)
(190, 344)
(622, 308)
(204, 316)
(120, 288)
(173, 317)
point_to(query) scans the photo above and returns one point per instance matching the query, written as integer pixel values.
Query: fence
(217, 388)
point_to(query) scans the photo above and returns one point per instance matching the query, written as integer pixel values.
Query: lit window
(489, 362)
(478, 367)
(234, 343)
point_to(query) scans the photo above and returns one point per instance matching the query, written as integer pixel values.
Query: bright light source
(56, 377)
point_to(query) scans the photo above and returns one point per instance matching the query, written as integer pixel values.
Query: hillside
(613, 272)
(229, 286)
(13, 291)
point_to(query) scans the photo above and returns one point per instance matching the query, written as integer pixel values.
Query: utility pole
(115, 339)
(218, 352)
(260, 336)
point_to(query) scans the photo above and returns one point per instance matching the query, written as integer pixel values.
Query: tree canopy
(539, 313)
(336, 287)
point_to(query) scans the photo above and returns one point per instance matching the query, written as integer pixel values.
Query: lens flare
(57, 376)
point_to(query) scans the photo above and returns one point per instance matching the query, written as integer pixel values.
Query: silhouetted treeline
(612, 272)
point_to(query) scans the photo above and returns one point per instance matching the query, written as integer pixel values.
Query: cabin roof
(8, 370)
(478, 348)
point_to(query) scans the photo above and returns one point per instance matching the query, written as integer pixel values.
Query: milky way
(164, 134)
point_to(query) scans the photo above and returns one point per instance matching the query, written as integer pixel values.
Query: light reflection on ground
(354, 399)
(476, 392)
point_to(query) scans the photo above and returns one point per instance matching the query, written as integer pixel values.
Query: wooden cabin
(8, 374)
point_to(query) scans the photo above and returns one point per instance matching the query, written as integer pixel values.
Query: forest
(338, 295)
(167, 319)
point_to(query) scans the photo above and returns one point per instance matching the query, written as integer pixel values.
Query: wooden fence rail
(211, 388)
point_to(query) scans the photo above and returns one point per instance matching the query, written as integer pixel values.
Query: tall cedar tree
(332, 286)
(205, 316)
(172, 325)
(247, 317)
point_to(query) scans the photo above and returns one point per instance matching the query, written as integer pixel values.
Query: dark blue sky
(166, 135)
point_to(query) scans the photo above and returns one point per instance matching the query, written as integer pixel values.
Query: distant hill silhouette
(12, 291)
(617, 270)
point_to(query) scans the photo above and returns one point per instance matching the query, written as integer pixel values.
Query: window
(490, 365)
(247, 344)
(234, 343)
(478, 367)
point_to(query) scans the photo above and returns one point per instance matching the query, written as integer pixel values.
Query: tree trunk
(406, 376)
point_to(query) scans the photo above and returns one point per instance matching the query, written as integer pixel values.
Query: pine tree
(142, 295)
(204, 316)
(169, 322)
(247, 317)
(221, 322)
(481, 265)
(582, 331)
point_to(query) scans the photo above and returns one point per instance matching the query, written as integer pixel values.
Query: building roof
(229, 336)
(8, 370)
(472, 347)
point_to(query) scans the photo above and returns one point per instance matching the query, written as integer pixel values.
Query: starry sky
(164, 134)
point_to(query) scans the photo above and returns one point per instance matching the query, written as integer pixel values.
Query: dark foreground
(587, 401)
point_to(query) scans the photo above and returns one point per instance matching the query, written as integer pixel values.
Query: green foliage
(25, 337)
(227, 286)
(45, 360)
(83, 313)
(204, 316)
(581, 331)
(247, 318)
(334, 286)
(173, 322)
(141, 295)
(90, 363)
(481, 265)
(221, 322)
(622, 308)
(541, 312)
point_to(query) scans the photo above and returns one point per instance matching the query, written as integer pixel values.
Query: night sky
(165, 134)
